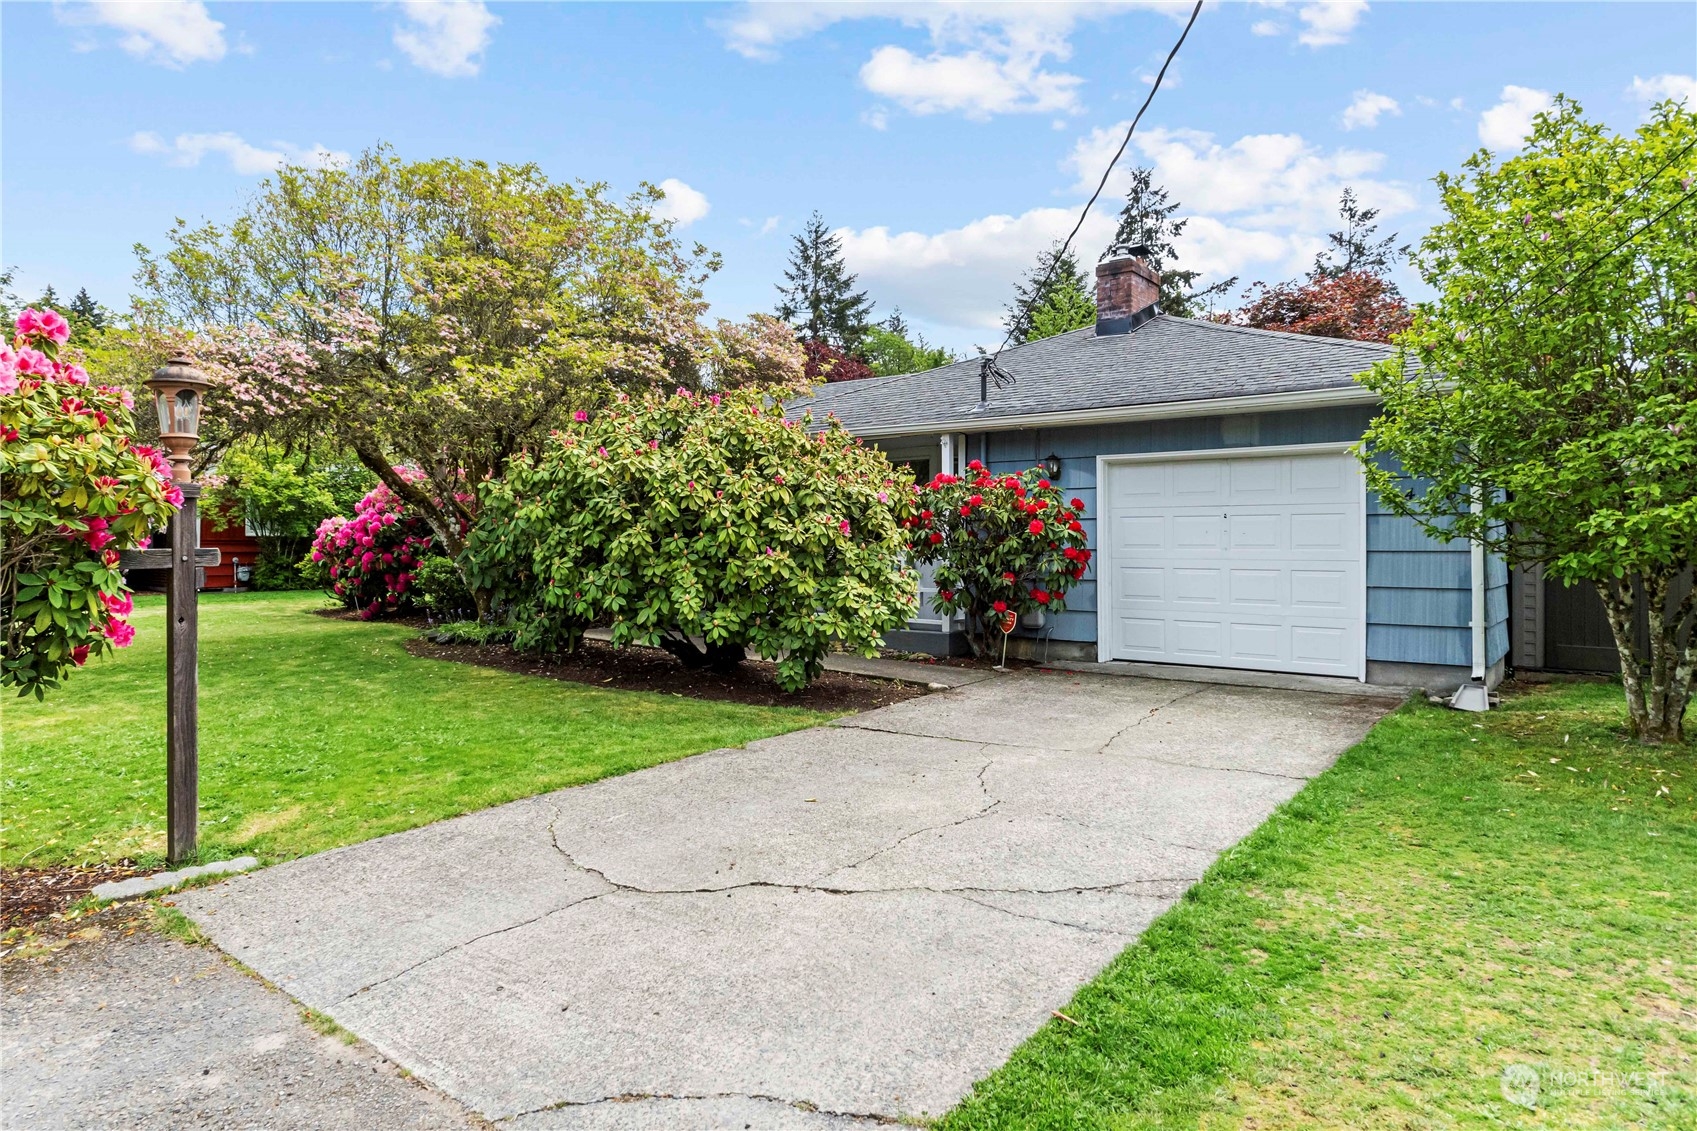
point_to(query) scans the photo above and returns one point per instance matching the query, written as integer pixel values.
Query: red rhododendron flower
(1077, 505)
(1010, 577)
(1000, 606)
(1036, 526)
(1075, 527)
(1041, 596)
(936, 538)
(79, 655)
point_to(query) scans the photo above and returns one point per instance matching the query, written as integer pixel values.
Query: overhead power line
(988, 370)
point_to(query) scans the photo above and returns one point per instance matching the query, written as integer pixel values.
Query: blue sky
(948, 143)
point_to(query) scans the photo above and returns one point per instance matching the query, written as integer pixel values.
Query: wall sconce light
(1052, 467)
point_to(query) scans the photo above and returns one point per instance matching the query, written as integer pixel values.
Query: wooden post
(182, 663)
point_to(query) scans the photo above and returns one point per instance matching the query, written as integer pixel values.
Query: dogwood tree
(442, 315)
(1546, 402)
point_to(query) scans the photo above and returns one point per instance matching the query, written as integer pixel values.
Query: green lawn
(1460, 894)
(315, 733)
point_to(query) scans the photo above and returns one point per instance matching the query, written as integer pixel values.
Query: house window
(921, 469)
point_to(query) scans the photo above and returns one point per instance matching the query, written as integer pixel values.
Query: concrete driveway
(832, 928)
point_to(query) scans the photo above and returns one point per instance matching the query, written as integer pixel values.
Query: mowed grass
(1461, 893)
(317, 732)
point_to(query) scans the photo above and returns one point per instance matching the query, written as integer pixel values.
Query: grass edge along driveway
(318, 732)
(1459, 894)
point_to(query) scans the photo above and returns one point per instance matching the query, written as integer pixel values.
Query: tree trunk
(1658, 688)
(721, 658)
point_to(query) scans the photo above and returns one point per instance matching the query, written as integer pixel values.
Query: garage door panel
(1330, 530)
(1192, 587)
(1142, 583)
(1257, 587)
(1237, 562)
(1257, 531)
(1255, 643)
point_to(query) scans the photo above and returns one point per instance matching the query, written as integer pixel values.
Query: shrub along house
(1230, 522)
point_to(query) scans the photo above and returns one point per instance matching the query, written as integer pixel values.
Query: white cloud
(1258, 208)
(1504, 126)
(682, 205)
(248, 160)
(172, 34)
(1329, 22)
(445, 37)
(985, 59)
(1680, 88)
(969, 82)
(877, 117)
(1366, 108)
(1266, 27)
(1263, 180)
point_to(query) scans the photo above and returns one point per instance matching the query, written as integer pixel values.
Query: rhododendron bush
(74, 490)
(370, 560)
(701, 516)
(1001, 544)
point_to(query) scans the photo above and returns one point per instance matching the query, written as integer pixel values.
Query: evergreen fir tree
(86, 312)
(1043, 309)
(1353, 247)
(1147, 221)
(818, 295)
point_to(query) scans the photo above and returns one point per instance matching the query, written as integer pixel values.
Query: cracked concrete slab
(698, 1113)
(830, 928)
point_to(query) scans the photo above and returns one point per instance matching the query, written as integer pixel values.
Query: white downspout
(1473, 695)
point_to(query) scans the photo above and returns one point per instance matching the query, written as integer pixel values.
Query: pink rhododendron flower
(119, 632)
(97, 535)
(581, 416)
(119, 604)
(34, 362)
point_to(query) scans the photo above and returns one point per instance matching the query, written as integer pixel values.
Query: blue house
(1231, 525)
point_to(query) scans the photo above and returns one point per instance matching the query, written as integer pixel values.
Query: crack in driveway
(641, 1097)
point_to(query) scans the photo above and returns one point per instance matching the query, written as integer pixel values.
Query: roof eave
(1117, 414)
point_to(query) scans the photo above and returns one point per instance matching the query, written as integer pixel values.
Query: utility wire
(988, 370)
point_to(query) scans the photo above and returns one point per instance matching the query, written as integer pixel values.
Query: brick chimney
(1127, 289)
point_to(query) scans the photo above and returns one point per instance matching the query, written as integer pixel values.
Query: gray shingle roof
(1165, 360)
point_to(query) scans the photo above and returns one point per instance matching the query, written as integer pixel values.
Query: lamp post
(177, 388)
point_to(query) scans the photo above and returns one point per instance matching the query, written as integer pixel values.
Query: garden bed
(28, 895)
(636, 668)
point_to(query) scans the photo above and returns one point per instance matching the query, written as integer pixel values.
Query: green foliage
(282, 496)
(1001, 544)
(1545, 402)
(441, 589)
(712, 517)
(1054, 297)
(74, 491)
(890, 349)
(440, 314)
(818, 295)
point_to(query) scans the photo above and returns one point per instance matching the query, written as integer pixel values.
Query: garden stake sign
(1006, 624)
(177, 387)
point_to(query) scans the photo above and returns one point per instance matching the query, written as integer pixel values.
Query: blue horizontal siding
(1412, 644)
(1445, 608)
(1418, 588)
(1401, 569)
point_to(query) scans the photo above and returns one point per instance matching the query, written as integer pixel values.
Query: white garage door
(1240, 562)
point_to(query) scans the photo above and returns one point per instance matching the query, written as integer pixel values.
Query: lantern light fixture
(177, 391)
(1052, 467)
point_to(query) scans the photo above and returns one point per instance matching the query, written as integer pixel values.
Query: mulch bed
(637, 668)
(28, 895)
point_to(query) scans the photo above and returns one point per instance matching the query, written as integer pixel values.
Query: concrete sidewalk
(832, 928)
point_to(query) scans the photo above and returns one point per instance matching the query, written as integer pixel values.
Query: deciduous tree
(1546, 401)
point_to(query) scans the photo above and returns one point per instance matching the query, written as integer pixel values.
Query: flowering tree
(369, 560)
(689, 517)
(1546, 400)
(1001, 544)
(74, 490)
(440, 314)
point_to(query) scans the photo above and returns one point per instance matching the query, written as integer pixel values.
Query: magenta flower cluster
(370, 558)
